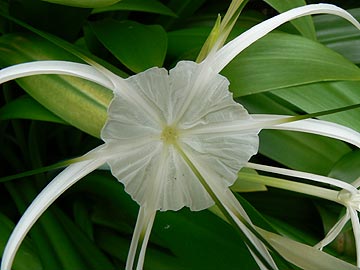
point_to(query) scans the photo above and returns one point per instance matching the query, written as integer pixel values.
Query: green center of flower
(169, 135)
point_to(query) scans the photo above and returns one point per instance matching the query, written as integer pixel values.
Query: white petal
(55, 67)
(199, 97)
(314, 126)
(304, 256)
(136, 168)
(48, 195)
(304, 175)
(356, 230)
(229, 202)
(153, 101)
(234, 47)
(334, 231)
(225, 154)
(143, 225)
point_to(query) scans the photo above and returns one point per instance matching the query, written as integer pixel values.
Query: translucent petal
(48, 195)
(55, 67)
(136, 169)
(304, 175)
(153, 100)
(304, 256)
(234, 47)
(225, 154)
(314, 126)
(202, 97)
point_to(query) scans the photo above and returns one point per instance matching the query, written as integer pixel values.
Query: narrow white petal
(334, 231)
(47, 196)
(304, 175)
(313, 126)
(234, 47)
(143, 225)
(304, 256)
(55, 67)
(219, 187)
(356, 230)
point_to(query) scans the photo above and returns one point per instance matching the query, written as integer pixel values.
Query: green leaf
(340, 35)
(151, 6)
(81, 103)
(84, 3)
(325, 96)
(137, 46)
(304, 152)
(283, 60)
(26, 258)
(26, 107)
(348, 167)
(304, 25)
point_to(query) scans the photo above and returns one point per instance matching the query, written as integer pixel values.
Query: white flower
(173, 139)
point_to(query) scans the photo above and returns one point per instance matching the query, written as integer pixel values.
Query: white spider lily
(173, 139)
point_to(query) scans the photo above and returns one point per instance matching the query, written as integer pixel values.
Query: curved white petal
(234, 47)
(313, 126)
(47, 196)
(304, 175)
(304, 256)
(334, 231)
(356, 230)
(218, 187)
(55, 67)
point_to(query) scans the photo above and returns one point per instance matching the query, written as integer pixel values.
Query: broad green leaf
(339, 35)
(151, 6)
(26, 258)
(26, 107)
(80, 103)
(304, 256)
(304, 152)
(136, 45)
(283, 60)
(348, 167)
(84, 3)
(186, 43)
(325, 96)
(304, 25)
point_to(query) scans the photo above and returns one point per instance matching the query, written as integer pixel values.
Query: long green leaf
(27, 108)
(340, 36)
(80, 103)
(282, 60)
(304, 25)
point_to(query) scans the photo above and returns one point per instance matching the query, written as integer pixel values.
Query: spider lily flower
(173, 138)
